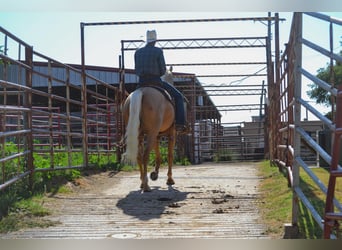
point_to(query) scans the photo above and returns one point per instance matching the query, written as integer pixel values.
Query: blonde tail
(132, 129)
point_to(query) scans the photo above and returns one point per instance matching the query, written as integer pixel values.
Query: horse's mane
(168, 76)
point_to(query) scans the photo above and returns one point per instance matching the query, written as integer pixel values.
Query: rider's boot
(183, 129)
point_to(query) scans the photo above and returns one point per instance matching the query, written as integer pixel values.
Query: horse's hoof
(154, 176)
(170, 181)
(147, 189)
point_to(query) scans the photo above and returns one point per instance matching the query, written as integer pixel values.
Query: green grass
(309, 227)
(21, 207)
(276, 201)
(26, 213)
(276, 198)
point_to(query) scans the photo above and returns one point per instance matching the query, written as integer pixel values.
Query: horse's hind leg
(140, 160)
(154, 174)
(171, 145)
(150, 143)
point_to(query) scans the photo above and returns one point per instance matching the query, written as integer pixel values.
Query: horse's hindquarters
(147, 113)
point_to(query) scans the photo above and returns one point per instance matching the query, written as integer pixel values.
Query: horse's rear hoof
(170, 181)
(154, 176)
(146, 189)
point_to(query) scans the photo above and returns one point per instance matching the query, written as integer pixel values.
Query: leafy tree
(320, 95)
(2, 51)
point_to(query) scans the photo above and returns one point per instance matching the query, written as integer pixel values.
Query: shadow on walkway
(151, 205)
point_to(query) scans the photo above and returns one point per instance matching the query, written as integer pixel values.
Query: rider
(150, 66)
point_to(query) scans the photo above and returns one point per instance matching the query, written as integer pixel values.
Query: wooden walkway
(207, 201)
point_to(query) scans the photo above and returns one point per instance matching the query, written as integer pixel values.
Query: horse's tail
(132, 129)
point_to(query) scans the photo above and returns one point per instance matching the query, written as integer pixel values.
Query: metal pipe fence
(51, 112)
(289, 135)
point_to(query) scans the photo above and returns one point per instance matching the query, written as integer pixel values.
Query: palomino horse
(148, 115)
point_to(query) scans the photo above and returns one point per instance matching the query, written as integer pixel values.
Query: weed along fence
(52, 117)
(288, 137)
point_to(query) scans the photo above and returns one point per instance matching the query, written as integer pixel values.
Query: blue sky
(57, 34)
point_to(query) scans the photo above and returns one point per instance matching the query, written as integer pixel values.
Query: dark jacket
(149, 61)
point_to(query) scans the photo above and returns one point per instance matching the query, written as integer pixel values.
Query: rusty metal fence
(287, 135)
(52, 112)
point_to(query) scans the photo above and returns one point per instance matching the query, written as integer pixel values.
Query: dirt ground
(208, 201)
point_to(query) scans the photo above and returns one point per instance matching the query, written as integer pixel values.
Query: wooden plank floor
(208, 201)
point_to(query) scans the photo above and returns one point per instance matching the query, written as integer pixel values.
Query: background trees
(320, 95)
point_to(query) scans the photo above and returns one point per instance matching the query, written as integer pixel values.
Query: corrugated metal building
(190, 87)
(106, 74)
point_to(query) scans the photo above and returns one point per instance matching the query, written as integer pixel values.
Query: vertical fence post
(28, 115)
(270, 84)
(50, 115)
(120, 95)
(276, 90)
(297, 61)
(194, 144)
(84, 102)
(331, 70)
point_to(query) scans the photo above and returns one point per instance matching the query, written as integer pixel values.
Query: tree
(1, 52)
(320, 95)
